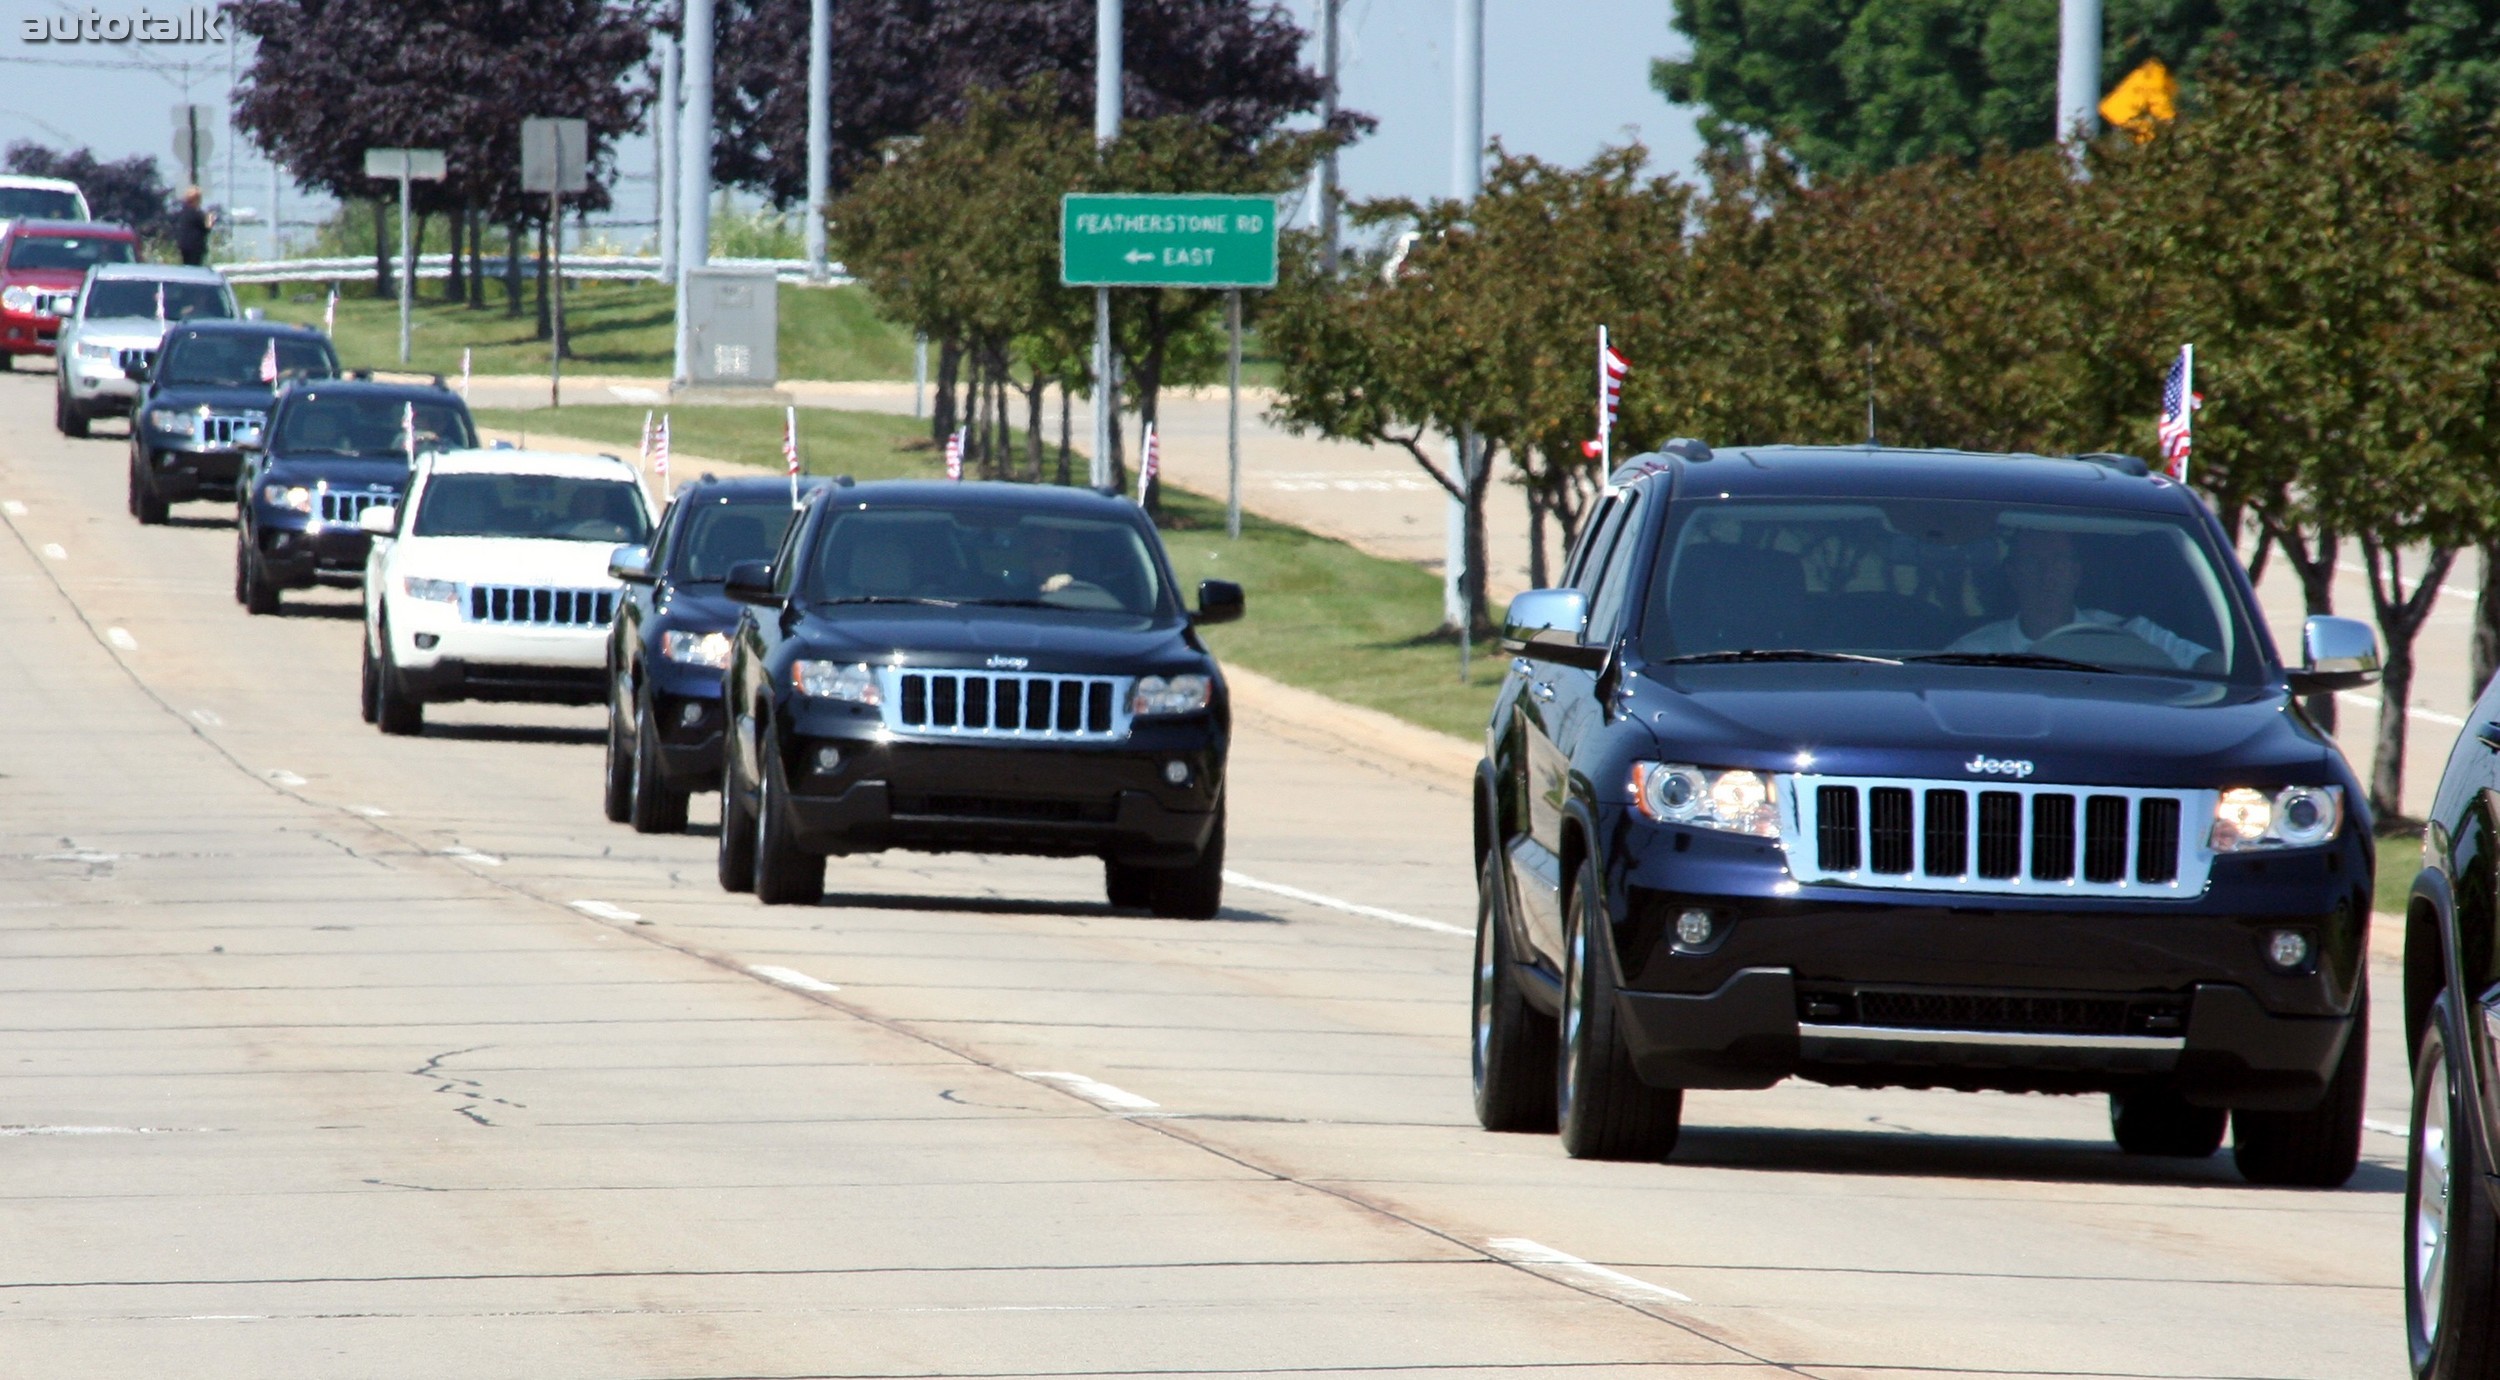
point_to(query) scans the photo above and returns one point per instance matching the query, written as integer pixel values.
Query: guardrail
(604, 267)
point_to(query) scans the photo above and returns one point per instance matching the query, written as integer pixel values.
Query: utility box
(733, 324)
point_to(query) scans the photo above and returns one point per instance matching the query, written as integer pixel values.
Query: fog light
(2288, 950)
(1176, 771)
(689, 714)
(426, 641)
(1693, 928)
(828, 759)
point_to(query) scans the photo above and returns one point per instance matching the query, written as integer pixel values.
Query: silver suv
(122, 313)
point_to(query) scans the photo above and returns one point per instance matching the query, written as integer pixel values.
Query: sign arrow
(1138, 256)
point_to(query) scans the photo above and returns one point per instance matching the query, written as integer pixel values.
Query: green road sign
(1167, 241)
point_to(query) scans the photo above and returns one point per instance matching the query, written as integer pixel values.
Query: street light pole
(2078, 69)
(665, 136)
(1106, 128)
(694, 153)
(1466, 179)
(1328, 120)
(819, 129)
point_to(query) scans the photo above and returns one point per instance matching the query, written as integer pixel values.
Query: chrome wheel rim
(1481, 1043)
(1576, 957)
(2433, 1164)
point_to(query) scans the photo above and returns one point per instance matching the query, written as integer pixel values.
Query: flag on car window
(2179, 401)
(464, 373)
(644, 454)
(408, 430)
(269, 362)
(1149, 461)
(659, 455)
(329, 313)
(1611, 368)
(790, 449)
(955, 453)
(160, 301)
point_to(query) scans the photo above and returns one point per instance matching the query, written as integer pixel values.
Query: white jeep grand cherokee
(491, 582)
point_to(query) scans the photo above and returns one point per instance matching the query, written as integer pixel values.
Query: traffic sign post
(406, 165)
(555, 159)
(1122, 240)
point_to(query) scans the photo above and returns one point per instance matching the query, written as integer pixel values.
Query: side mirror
(1219, 601)
(631, 564)
(2336, 654)
(254, 314)
(1545, 625)
(380, 520)
(750, 582)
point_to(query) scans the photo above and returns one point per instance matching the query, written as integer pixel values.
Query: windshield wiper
(2030, 660)
(888, 599)
(1776, 654)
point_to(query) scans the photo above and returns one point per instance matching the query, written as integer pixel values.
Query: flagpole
(790, 429)
(2187, 403)
(1605, 423)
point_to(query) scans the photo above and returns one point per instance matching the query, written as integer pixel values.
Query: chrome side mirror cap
(380, 520)
(631, 564)
(2336, 654)
(1546, 625)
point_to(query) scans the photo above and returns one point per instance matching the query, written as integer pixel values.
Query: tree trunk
(1471, 582)
(512, 270)
(382, 288)
(1537, 503)
(2315, 565)
(1150, 404)
(2487, 620)
(456, 284)
(477, 260)
(1064, 405)
(942, 415)
(1033, 428)
(2401, 616)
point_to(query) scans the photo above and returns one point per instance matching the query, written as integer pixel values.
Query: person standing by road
(191, 227)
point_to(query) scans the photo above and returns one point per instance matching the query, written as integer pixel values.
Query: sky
(1563, 78)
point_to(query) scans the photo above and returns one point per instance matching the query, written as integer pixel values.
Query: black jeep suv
(204, 400)
(670, 643)
(334, 447)
(1887, 768)
(990, 668)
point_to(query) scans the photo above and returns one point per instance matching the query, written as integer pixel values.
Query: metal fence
(642, 268)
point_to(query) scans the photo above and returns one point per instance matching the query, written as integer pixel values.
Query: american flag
(1149, 461)
(160, 301)
(269, 362)
(1611, 368)
(644, 454)
(329, 313)
(408, 430)
(464, 373)
(790, 449)
(659, 454)
(955, 453)
(2179, 401)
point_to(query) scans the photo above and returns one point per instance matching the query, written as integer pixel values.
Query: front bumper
(1113, 800)
(443, 656)
(27, 333)
(179, 473)
(99, 389)
(299, 552)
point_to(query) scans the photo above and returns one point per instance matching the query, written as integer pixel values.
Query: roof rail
(2130, 465)
(1689, 448)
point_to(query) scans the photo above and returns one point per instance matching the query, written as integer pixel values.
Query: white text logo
(1983, 764)
(195, 24)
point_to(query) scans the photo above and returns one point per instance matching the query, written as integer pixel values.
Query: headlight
(2294, 817)
(290, 496)
(703, 649)
(1179, 695)
(17, 298)
(87, 351)
(435, 591)
(174, 423)
(853, 683)
(1741, 802)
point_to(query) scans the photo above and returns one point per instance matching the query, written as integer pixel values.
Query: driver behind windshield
(2045, 573)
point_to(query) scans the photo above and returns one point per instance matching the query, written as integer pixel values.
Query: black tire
(1125, 886)
(2157, 1121)
(2452, 1327)
(656, 807)
(254, 587)
(786, 874)
(736, 863)
(616, 794)
(67, 417)
(2318, 1148)
(369, 688)
(145, 505)
(1195, 892)
(395, 711)
(242, 544)
(1603, 1108)
(1511, 1044)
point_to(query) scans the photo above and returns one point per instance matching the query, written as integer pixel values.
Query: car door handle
(2489, 735)
(1520, 666)
(1543, 690)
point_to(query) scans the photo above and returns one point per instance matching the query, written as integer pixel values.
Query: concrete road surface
(333, 1055)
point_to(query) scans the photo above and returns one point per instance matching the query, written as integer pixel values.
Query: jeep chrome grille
(988, 704)
(553, 608)
(128, 360)
(349, 505)
(2010, 839)
(231, 429)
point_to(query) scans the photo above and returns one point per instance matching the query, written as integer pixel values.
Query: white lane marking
(601, 910)
(467, 854)
(13, 508)
(1519, 1250)
(791, 978)
(2428, 716)
(79, 855)
(225, 1317)
(1096, 1091)
(369, 811)
(54, 551)
(207, 718)
(284, 777)
(1295, 893)
(87, 1130)
(2386, 1128)
(120, 637)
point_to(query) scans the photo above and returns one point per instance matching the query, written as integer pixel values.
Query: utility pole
(2078, 69)
(1328, 120)
(664, 141)
(1106, 128)
(694, 153)
(1466, 179)
(819, 129)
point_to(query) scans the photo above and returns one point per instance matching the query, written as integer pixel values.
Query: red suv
(42, 264)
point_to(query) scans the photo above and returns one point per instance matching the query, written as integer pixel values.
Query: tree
(129, 191)
(330, 79)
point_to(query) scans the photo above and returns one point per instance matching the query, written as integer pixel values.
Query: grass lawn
(1322, 615)
(2399, 860)
(615, 328)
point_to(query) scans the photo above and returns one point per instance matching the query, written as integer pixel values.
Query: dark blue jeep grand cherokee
(1887, 768)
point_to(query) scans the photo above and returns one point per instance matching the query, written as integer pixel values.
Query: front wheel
(617, 793)
(395, 711)
(786, 873)
(2450, 1238)
(735, 864)
(2157, 1121)
(1605, 1110)
(252, 583)
(1511, 1043)
(66, 416)
(2318, 1148)
(368, 699)
(145, 505)
(656, 807)
(1195, 892)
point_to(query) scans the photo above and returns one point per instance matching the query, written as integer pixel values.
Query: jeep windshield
(40, 203)
(986, 556)
(555, 507)
(1946, 582)
(234, 359)
(166, 301)
(715, 536)
(373, 427)
(75, 253)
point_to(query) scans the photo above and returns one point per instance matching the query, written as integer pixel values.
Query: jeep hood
(123, 332)
(506, 561)
(1983, 724)
(181, 397)
(970, 636)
